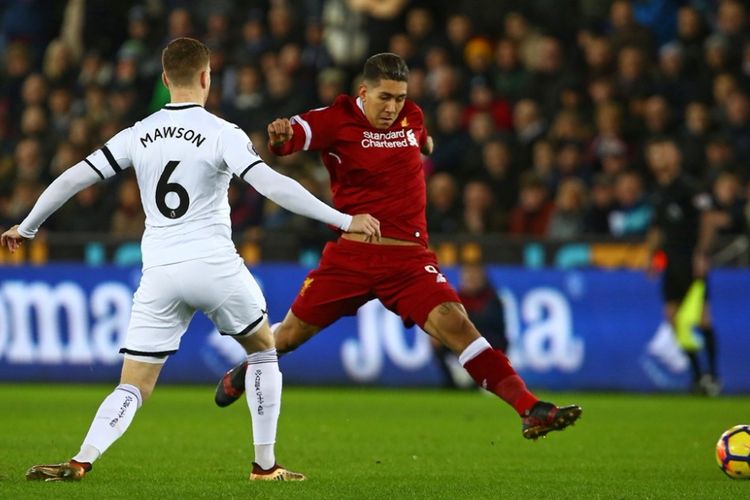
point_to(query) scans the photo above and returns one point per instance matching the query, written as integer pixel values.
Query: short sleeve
(237, 151)
(113, 157)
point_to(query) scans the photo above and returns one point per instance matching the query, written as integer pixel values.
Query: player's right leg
(111, 421)
(238, 309)
(492, 371)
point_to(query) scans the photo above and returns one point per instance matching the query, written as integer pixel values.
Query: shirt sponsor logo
(403, 138)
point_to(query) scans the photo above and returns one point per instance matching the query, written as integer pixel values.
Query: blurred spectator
(529, 125)
(599, 57)
(314, 57)
(17, 65)
(443, 214)
(451, 140)
(58, 64)
(458, 30)
(549, 74)
(65, 156)
(719, 158)
(481, 129)
(128, 219)
(569, 164)
(731, 22)
(567, 220)
(254, 40)
(30, 162)
(602, 202)
(500, 174)
(543, 161)
(631, 215)
(727, 214)
(23, 195)
(479, 214)
(672, 81)
(736, 112)
(509, 76)
(331, 82)
(613, 157)
(694, 137)
(481, 100)
(657, 116)
(94, 70)
(531, 215)
(632, 78)
(625, 31)
(716, 54)
(87, 212)
(420, 28)
(245, 104)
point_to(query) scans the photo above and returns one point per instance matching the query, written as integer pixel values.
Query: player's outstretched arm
(70, 182)
(289, 194)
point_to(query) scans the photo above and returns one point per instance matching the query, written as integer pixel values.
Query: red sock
(491, 370)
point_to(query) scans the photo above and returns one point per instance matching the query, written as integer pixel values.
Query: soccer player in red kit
(372, 145)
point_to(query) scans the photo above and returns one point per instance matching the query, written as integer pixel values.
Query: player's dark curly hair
(386, 66)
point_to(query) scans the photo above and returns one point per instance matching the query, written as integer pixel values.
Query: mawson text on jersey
(165, 132)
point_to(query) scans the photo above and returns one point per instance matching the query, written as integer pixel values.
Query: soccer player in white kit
(184, 158)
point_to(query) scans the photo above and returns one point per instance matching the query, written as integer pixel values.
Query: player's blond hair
(183, 59)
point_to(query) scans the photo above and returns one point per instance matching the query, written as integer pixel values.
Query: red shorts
(405, 278)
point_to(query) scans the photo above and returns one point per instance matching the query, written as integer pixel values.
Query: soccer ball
(733, 452)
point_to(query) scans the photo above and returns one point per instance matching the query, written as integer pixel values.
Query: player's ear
(204, 79)
(164, 79)
(362, 92)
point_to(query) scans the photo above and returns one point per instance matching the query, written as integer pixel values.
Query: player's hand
(366, 224)
(280, 131)
(429, 145)
(11, 239)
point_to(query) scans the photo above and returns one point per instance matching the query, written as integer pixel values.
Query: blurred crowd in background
(542, 111)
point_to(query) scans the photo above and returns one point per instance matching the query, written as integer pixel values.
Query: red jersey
(372, 170)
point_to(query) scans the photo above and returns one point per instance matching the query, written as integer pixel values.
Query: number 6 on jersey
(164, 187)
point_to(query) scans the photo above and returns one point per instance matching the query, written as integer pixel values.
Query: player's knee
(450, 324)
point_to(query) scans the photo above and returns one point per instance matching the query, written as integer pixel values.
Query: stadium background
(540, 112)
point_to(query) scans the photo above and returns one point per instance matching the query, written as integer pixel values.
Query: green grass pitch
(372, 443)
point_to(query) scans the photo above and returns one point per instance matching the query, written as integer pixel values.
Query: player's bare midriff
(384, 240)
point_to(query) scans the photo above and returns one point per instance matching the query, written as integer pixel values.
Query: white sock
(263, 383)
(111, 421)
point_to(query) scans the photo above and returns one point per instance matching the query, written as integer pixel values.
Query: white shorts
(168, 296)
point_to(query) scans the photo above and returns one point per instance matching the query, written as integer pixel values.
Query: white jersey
(184, 158)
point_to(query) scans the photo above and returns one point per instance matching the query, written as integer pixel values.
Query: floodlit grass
(368, 443)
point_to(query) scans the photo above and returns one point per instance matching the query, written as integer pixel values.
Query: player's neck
(185, 96)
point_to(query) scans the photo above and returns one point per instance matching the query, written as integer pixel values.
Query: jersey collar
(181, 105)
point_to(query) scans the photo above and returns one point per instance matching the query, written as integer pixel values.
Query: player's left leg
(112, 419)
(491, 370)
